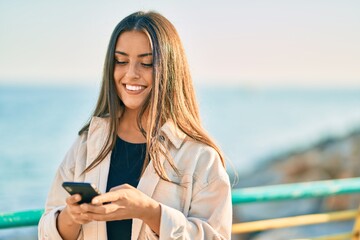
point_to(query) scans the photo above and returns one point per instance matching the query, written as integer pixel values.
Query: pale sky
(247, 43)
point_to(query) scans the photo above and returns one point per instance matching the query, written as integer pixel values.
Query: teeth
(134, 88)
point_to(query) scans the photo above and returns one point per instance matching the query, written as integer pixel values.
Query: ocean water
(38, 125)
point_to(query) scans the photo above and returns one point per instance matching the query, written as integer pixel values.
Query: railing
(20, 219)
(299, 191)
(256, 195)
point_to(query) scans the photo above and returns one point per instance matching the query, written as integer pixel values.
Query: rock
(331, 158)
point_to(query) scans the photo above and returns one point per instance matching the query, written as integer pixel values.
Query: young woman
(161, 175)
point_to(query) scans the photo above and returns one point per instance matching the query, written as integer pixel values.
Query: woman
(161, 175)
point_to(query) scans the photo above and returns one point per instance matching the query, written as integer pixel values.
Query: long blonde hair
(172, 96)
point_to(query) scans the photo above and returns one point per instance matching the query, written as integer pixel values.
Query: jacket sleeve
(57, 195)
(210, 214)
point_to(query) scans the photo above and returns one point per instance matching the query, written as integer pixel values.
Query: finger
(123, 186)
(73, 199)
(102, 209)
(73, 210)
(106, 197)
(81, 218)
(76, 209)
(82, 222)
(102, 217)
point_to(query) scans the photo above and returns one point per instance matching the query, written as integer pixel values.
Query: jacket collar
(171, 132)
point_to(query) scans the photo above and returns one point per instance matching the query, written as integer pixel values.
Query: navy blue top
(126, 164)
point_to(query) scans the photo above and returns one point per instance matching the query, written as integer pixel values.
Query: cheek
(118, 74)
(117, 81)
(149, 78)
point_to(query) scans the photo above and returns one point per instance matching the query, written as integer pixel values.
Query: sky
(241, 42)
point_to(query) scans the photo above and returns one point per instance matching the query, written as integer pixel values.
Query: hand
(73, 210)
(70, 218)
(124, 202)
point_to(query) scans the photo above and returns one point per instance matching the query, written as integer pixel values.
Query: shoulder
(98, 123)
(208, 158)
(192, 157)
(205, 167)
(202, 160)
(79, 147)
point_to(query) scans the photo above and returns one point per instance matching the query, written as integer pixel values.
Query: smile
(134, 89)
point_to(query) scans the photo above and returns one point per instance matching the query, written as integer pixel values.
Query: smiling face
(133, 71)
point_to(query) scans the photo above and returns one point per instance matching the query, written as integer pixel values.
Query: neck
(128, 128)
(129, 118)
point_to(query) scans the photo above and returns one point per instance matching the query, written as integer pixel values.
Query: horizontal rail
(20, 219)
(239, 196)
(296, 191)
(309, 219)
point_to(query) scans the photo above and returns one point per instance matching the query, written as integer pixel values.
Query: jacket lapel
(97, 134)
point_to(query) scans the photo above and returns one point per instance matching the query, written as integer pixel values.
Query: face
(133, 68)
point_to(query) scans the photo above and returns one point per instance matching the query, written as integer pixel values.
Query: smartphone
(87, 190)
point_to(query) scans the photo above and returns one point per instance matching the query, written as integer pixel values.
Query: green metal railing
(239, 196)
(296, 191)
(20, 219)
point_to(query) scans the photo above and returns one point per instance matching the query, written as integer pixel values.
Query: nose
(132, 71)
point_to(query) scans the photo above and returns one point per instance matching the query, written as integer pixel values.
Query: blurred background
(278, 84)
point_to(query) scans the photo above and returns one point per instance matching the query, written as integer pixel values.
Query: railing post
(356, 229)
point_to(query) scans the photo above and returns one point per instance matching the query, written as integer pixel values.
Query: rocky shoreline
(331, 158)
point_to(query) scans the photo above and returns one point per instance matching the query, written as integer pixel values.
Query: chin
(132, 106)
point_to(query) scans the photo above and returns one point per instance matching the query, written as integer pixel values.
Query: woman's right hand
(74, 211)
(71, 218)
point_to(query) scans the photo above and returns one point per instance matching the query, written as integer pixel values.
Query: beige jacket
(199, 207)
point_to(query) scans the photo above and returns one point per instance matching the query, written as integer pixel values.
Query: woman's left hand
(124, 202)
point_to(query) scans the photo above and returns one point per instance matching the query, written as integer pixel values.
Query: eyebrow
(140, 55)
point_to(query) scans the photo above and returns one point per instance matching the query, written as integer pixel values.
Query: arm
(210, 216)
(56, 201)
(209, 213)
(68, 229)
(152, 217)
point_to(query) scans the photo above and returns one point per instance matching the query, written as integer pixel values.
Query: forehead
(133, 42)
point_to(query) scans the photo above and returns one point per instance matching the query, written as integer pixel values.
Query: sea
(38, 124)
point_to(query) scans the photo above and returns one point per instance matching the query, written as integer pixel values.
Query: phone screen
(87, 190)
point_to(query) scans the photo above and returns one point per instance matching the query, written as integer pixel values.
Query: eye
(147, 64)
(120, 62)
